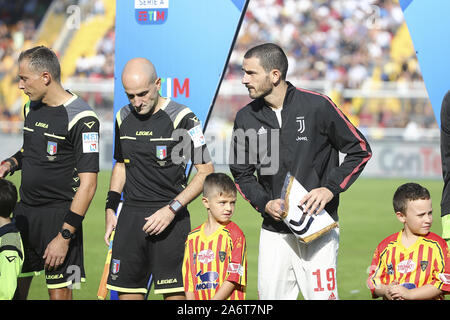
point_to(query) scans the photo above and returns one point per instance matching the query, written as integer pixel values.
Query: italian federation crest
(52, 148)
(161, 152)
(115, 267)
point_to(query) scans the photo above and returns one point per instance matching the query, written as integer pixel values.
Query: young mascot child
(215, 264)
(11, 249)
(413, 264)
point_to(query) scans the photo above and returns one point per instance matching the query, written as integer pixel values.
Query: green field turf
(366, 217)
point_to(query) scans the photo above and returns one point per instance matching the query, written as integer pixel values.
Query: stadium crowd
(18, 22)
(347, 44)
(340, 41)
(101, 65)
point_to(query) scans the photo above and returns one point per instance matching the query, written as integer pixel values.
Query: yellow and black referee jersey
(155, 149)
(58, 143)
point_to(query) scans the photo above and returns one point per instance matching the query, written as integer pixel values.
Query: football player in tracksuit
(445, 160)
(59, 160)
(154, 139)
(289, 130)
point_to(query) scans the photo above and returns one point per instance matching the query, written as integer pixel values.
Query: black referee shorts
(38, 226)
(136, 256)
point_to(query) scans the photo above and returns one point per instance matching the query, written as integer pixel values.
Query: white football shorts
(287, 266)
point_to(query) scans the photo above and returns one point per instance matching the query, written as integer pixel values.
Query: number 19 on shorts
(324, 281)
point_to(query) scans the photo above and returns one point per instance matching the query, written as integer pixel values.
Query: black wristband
(113, 200)
(73, 219)
(13, 165)
(18, 156)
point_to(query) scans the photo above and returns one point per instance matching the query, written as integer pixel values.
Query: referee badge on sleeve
(197, 136)
(90, 142)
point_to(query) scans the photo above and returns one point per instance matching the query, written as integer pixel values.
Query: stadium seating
(84, 42)
(346, 45)
(68, 46)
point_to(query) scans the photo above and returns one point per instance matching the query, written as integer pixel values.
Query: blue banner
(189, 43)
(429, 26)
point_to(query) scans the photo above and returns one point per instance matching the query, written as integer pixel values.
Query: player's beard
(262, 90)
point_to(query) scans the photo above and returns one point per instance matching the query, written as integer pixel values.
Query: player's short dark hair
(218, 183)
(409, 192)
(8, 198)
(270, 56)
(42, 59)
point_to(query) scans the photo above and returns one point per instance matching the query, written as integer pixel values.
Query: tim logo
(301, 123)
(151, 11)
(173, 87)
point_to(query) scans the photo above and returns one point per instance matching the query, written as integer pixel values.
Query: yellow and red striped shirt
(427, 261)
(209, 261)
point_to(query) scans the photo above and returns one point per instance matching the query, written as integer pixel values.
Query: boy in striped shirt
(215, 263)
(413, 264)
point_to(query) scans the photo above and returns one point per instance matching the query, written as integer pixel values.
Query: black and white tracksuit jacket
(445, 153)
(307, 146)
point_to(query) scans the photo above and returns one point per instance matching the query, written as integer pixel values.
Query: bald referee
(59, 160)
(154, 139)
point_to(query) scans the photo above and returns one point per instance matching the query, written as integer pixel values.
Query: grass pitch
(366, 217)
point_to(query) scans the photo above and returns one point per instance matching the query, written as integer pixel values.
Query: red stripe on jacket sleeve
(351, 127)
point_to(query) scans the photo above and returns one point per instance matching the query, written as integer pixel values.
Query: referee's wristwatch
(66, 234)
(175, 206)
(12, 164)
